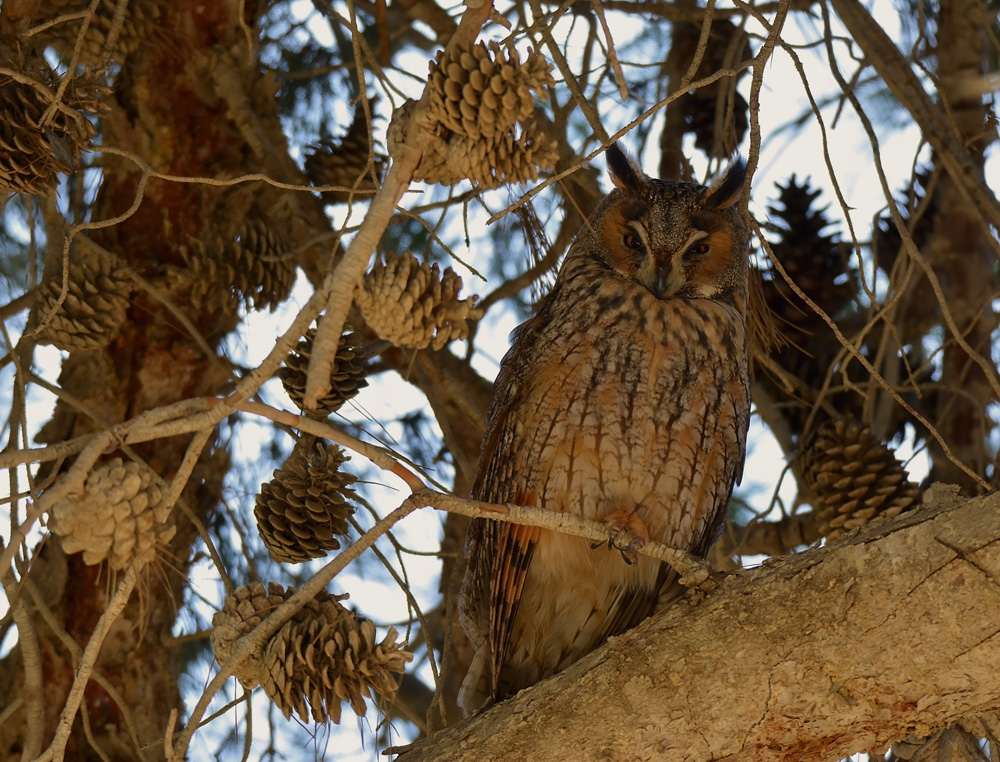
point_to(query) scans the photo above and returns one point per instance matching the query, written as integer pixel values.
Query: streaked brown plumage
(625, 399)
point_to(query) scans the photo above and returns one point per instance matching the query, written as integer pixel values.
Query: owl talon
(628, 556)
(627, 535)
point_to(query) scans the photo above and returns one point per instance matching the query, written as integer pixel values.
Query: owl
(624, 400)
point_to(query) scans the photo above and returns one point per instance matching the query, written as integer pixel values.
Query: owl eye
(633, 241)
(697, 250)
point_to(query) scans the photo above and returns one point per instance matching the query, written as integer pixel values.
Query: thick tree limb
(881, 52)
(815, 656)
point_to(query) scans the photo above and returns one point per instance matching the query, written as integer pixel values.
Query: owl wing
(734, 443)
(502, 551)
(632, 606)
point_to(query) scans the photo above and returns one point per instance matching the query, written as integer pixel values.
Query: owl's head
(678, 240)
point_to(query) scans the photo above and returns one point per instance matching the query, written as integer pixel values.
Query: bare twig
(83, 671)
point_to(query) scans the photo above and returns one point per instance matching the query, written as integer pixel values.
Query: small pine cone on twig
(121, 516)
(254, 268)
(244, 609)
(347, 377)
(307, 504)
(345, 162)
(854, 478)
(478, 97)
(93, 309)
(327, 655)
(38, 144)
(413, 305)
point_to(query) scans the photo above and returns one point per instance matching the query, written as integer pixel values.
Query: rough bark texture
(165, 112)
(811, 657)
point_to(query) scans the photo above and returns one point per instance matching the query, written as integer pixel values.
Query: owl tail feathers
(671, 592)
(474, 695)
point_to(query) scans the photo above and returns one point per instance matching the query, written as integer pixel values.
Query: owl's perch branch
(815, 656)
(680, 561)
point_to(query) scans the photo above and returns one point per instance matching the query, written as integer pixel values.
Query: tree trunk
(962, 254)
(174, 111)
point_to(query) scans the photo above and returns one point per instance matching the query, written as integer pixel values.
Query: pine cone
(345, 162)
(888, 240)
(255, 268)
(327, 655)
(120, 516)
(265, 271)
(306, 504)
(347, 376)
(477, 98)
(137, 24)
(242, 611)
(699, 107)
(854, 478)
(34, 153)
(413, 305)
(813, 259)
(816, 262)
(93, 309)
(481, 93)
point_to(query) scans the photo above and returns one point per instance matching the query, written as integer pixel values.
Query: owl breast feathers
(625, 400)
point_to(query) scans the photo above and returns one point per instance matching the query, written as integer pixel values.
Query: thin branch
(340, 283)
(259, 635)
(114, 608)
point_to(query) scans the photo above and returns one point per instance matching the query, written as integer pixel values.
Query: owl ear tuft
(624, 171)
(727, 187)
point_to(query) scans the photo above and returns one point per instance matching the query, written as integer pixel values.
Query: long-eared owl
(625, 400)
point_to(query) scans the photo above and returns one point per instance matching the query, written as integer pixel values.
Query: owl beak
(658, 277)
(665, 282)
(660, 285)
